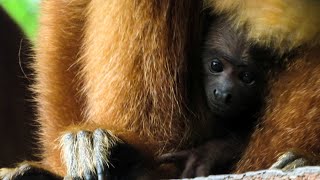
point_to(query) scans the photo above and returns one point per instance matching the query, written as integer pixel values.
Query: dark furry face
(233, 79)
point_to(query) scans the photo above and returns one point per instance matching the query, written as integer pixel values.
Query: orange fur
(59, 100)
(117, 65)
(122, 66)
(282, 24)
(291, 120)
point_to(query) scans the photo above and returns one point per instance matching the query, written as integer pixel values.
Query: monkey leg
(27, 171)
(100, 155)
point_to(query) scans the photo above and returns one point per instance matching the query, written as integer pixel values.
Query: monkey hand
(294, 159)
(194, 162)
(100, 155)
(27, 171)
(209, 158)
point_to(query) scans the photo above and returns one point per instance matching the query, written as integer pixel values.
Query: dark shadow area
(16, 112)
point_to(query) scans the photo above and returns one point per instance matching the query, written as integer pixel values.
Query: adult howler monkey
(122, 66)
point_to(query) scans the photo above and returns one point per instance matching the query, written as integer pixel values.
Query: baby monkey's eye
(247, 77)
(216, 66)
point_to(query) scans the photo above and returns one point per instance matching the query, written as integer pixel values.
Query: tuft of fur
(115, 65)
(30, 169)
(85, 151)
(281, 24)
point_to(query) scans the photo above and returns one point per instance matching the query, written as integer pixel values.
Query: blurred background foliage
(24, 13)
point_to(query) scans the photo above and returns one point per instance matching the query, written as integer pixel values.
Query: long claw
(291, 160)
(283, 160)
(296, 163)
(102, 173)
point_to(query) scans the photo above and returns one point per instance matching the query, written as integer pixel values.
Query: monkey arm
(111, 70)
(59, 103)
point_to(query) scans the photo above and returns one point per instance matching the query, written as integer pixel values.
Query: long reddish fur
(117, 65)
(121, 65)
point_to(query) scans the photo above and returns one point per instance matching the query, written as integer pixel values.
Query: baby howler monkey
(234, 77)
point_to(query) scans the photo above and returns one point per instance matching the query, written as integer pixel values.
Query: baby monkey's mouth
(226, 110)
(218, 108)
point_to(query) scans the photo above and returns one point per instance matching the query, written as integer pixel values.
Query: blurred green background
(24, 13)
